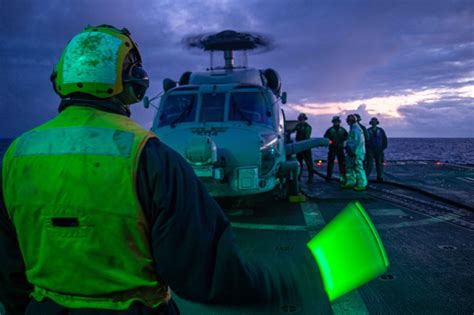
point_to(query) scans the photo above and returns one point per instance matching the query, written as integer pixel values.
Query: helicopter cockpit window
(178, 108)
(250, 107)
(212, 107)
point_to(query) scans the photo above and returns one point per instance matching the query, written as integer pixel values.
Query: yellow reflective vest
(69, 188)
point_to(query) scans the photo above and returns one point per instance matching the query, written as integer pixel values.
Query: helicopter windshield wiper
(241, 112)
(185, 113)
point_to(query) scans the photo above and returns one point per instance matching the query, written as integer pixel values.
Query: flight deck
(429, 241)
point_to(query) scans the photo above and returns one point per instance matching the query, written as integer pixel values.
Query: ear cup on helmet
(52, 78)
(135, 83)
(139, 81)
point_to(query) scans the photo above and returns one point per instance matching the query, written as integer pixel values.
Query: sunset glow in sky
(411, 63)
(386, 106)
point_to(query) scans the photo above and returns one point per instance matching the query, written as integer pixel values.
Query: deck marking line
(466, 179)
(312, 216)
(428, 221)
(276, 227)
(239, 212)
(352, 302)
(387, 212)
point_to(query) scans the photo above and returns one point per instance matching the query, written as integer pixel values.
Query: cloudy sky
(409, 62)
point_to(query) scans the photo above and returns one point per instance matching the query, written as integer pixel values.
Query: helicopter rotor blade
(229, 40)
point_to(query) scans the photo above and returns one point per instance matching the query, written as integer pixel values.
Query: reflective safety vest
(69, 187)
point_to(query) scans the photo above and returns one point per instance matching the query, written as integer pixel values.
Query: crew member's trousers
(332, 154)
(355, 173)
(307, 157)
(376, 155)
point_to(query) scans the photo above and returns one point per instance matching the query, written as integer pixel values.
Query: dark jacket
(192, 240)
(365, 132)
(377, 139)
(337, 135)
(303, 131)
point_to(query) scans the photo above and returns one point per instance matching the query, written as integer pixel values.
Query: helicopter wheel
(292, 183)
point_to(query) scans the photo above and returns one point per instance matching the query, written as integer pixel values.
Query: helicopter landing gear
(293, 185)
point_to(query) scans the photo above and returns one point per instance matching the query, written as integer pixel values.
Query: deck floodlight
(348, 251)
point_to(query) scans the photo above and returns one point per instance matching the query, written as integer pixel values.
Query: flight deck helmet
(302, 117)
(357, 117)
(374, 120)
(351, 119)
(101, 62)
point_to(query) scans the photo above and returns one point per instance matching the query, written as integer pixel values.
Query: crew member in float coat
(303, 132)
(375, 148)
(337, 136)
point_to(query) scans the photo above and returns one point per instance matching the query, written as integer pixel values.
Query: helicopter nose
(201, 150)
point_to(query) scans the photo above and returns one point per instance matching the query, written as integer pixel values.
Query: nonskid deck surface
(450, 181)
(431, 258)
(453, 182)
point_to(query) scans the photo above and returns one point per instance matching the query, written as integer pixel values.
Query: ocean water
(452, 150)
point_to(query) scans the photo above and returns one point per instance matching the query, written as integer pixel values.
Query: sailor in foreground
(337, 135)
(376, 145)
(355, 150)
(98, 216)
(303, 132)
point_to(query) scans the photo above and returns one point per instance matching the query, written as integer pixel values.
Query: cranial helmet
(336, 119)
(302, 116)
(351, 119)
(374, 119)
(101, 62)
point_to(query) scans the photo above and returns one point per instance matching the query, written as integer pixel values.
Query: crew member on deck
(375, 148)
(355, 150)
(303, 132)
(366, 135)
(337, 135)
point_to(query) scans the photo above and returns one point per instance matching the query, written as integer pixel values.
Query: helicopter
(228, 122)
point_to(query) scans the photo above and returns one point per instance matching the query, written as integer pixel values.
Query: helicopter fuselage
(232, 134)
(229, 125)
